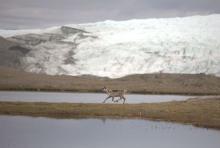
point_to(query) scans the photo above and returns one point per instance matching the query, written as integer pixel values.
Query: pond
(31, 96)
(29, 132)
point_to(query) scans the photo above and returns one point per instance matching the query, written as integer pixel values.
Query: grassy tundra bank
(199, 112)
(192, 84)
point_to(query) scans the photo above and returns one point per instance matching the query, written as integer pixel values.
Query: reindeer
(113, 94)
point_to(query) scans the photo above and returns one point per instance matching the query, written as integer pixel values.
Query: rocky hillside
(114, 49)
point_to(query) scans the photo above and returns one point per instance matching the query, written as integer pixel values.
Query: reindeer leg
(106, 99)
(123, 99)
(113, 99)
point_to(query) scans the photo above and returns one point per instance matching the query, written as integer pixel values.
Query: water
(28, 132)
(82, 97)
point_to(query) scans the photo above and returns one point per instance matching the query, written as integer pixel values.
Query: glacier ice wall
(119, 48)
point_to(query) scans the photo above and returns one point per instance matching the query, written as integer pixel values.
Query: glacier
(119, 48)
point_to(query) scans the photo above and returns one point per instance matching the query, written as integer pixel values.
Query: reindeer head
(104, 89)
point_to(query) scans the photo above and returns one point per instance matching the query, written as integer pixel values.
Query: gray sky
(15, 14)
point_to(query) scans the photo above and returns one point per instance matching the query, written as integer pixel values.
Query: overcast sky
(15, 14)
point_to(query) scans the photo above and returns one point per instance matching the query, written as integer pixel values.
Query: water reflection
(27, 132)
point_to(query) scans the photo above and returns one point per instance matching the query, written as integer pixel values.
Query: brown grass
(199, 112)
(199, 84)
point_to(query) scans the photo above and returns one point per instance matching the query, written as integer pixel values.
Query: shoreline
(197, 112)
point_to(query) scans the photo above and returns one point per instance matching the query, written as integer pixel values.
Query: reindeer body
(113, 94)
